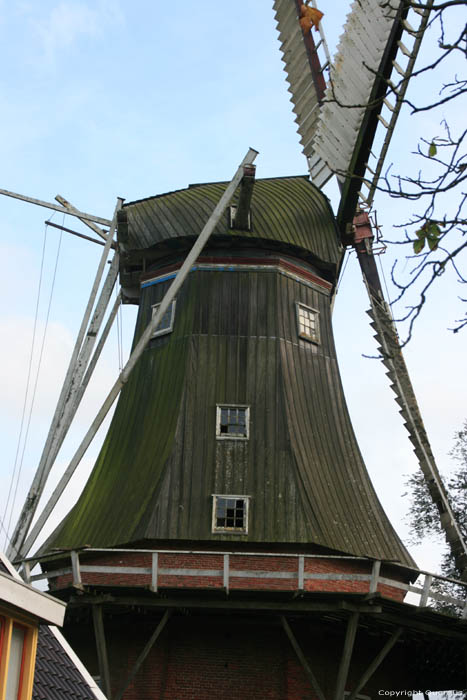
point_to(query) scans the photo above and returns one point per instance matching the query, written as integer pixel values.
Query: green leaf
(432, 242)
(433, 229)
(432, 151)
(418, 245)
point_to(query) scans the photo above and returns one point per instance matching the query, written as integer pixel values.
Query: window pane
(166, 322)
(232, 421)
(308, 323)
(230, 513)
(14, 663)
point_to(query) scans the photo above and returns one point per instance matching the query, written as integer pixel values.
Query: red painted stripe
(279, 262)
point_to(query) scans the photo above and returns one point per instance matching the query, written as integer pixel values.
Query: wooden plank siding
(234, 341)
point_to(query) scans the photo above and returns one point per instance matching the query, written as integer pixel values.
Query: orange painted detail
(310, 17)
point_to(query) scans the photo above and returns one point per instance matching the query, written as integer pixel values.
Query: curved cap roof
(285, 210)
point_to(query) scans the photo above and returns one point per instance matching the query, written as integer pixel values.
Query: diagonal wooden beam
(349, 642)
(19, 545)
(50, 205)
(101, 647)
(379, 658)
(144, 653)
(47, 222)
(301, 657)
(75, 212)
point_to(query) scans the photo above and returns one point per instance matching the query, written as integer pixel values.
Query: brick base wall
(237, 657)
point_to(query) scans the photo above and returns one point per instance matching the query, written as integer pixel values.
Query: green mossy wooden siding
(288, 210)
(234, 341)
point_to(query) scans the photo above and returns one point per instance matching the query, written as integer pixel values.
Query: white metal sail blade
(358, 58)
(304, 93)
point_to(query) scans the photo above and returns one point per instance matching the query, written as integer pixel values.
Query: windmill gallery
(229, 542)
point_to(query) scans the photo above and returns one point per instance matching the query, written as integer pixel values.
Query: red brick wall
(238, 562)
(235, 656)
(209, 659)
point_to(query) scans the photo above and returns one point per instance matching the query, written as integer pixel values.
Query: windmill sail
(338, 122)
(361, 59)
(305, 65)
(338, 134)
(391, 352)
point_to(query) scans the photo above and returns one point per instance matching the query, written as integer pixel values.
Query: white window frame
(232, 436)
(169, 329)
(230, 530)
(316, 338)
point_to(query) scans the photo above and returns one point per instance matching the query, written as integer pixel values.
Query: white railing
(424, 583)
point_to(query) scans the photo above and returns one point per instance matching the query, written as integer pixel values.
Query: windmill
(271, 514)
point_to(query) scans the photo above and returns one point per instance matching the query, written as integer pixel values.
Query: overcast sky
(111, 98)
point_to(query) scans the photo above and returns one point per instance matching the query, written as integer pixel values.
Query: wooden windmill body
(229, 541)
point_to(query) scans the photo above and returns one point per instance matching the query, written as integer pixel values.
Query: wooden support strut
(49, 205)
(301, 657)
(139, 661)
(379, 658)
(75, 212)
(349, 642)
(40, 478)
(101, 648)
(141, 345)
(375, 571)
(79, 381)
(76, 233)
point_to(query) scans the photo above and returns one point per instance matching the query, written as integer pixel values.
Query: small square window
(233, 422)
(167, 321)
(230, 514)
(307, 322)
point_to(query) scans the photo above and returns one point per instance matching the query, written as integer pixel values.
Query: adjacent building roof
(59, 675)
(17, 594)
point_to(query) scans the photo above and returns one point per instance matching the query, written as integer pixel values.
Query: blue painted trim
(161, 279)
(236, 268)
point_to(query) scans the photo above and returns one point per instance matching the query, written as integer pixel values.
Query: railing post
(464, 612)
(27, 571)
(426, 590)
(375, 576)
(226, 572)
(76, 570)
(301, 572)
(154, 571)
